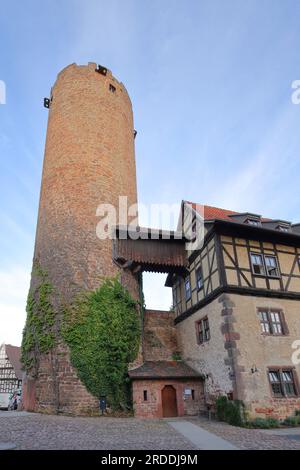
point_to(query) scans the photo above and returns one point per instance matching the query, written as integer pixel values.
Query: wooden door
(169, 401)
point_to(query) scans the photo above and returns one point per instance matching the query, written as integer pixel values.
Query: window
(112, 88)
(193, 394)
(288, 383)
(283, 228)
(264, 322)
(253, 222)
(264, 265)
(282, 382)
(203, 331)
(145, 395)
(199, 278)
(257, 264)
(271, 322)
(271, 266)
(187, 286)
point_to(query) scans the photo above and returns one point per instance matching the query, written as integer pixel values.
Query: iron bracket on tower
(47, 103)
(101, 69)
(134, 133)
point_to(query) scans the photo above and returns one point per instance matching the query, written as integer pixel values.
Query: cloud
(14, 284)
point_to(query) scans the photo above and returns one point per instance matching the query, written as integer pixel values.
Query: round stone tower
(89, 160)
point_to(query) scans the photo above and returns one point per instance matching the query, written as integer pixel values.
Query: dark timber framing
(252, 239)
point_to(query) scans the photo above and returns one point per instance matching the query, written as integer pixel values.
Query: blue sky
(210, 82)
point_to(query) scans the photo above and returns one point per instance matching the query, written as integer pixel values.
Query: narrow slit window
(145, 395)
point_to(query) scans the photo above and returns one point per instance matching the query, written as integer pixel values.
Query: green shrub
(297, 412)
(292, 421)
(263, 423)
(230, 411)
(221, 404)
(102, 329)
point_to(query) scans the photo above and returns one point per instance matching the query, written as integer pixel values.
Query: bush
(297, 412)
(230, 411)
(263, 423)
(292, 421)
(102, 329)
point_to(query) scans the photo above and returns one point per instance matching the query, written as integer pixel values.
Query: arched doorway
(169, 402)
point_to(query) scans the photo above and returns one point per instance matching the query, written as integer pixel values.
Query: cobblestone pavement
(248, 438)
(36, 431)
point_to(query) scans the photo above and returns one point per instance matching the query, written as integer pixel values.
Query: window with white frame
(282, 382)
(264, 265)
(271, 266)
(271, 321)
(257, 264)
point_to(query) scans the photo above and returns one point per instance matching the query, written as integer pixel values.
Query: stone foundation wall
(58, 389)
(258, 351)
(213, 358)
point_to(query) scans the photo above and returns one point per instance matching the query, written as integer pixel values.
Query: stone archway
(169, 402)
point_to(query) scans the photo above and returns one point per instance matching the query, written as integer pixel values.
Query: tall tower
(89, 159)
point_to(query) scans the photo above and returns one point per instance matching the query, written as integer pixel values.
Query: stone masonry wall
(160, 336)
(258, 351)
(212, 357)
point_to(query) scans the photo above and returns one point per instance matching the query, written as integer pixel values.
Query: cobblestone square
(36, 431)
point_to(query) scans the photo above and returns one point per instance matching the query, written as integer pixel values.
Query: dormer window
(283, 228)
(253, 222)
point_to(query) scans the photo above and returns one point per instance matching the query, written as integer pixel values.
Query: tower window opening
(145, 395)
(112, 88)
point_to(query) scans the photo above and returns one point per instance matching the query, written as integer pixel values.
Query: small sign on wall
(187, 392)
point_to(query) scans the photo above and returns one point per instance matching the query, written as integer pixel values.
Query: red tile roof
(164, 369)
(217, 213)
(211, 213)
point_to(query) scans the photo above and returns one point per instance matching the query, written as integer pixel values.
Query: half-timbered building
(10, 372)
(236, 314)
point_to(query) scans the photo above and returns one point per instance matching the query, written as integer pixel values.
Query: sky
(210, 83)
